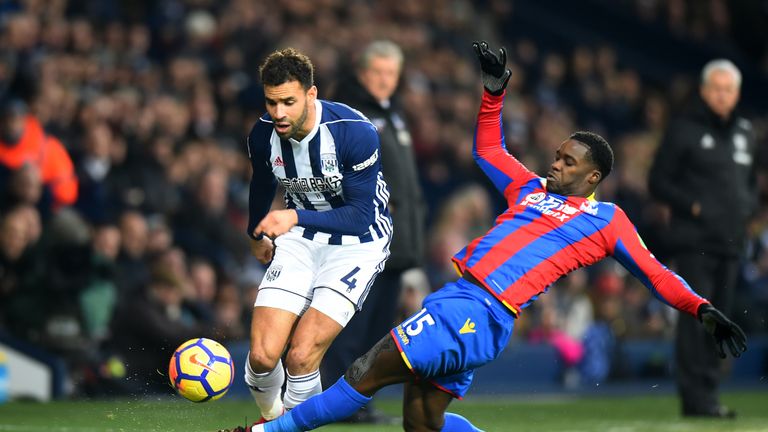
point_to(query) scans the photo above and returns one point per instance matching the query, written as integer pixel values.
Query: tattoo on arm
(364, 363)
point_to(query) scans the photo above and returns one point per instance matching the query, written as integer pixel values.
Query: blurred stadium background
(152, 100)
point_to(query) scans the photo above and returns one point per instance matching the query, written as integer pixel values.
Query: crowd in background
(152, 100)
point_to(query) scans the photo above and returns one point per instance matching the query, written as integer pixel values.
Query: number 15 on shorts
(415, 324)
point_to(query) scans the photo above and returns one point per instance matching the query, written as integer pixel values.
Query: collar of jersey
(591, 197)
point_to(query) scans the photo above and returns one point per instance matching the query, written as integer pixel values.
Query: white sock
(301, 388)
(265, 389)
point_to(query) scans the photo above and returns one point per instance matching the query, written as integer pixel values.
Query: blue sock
(336, 403)
(457, 423)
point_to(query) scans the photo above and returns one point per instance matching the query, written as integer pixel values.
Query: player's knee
(262, 361)
(302, 359)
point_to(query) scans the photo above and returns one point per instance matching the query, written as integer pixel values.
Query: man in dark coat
(705, 172)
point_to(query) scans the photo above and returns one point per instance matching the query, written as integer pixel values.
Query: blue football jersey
(332, 177)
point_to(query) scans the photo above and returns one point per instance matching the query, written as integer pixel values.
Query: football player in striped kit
(552, 227)
(326, 248)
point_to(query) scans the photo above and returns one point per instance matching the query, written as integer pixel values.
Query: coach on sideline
(704, 172)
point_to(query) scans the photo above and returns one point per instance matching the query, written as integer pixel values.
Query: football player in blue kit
(325, 249)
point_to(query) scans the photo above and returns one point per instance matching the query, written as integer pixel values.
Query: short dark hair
(287, 65)
(600, 152)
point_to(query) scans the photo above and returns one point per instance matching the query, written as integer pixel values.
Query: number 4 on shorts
(349, 280)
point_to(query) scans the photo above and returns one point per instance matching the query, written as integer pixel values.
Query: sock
(457, 423)
(265, 389)
(301, 388)
(337, 403)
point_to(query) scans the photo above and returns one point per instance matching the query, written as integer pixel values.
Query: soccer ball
(201, 370)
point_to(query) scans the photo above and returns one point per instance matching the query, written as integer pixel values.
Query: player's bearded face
(572, 173)
(289, 105)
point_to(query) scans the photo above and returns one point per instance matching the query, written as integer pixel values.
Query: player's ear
(594, 177)
(312, 94)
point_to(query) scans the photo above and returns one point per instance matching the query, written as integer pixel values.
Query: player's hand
(263, 249)
(277, 222)
(725, 331)
(494, 70)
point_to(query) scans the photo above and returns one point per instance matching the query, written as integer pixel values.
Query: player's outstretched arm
(494, 72)
(725, 331)
(488, 148)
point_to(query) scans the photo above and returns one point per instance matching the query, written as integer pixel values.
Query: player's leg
(424, 410)
(283, 297)
(345, 274)
(264, 373)
(315, 331)
(382, 365)
(424, 407)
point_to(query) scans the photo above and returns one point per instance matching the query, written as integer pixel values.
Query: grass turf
(584, 414)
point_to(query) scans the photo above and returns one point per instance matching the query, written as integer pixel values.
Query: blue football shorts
(460, 328)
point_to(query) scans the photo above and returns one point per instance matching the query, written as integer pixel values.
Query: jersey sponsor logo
(310, 184)
(403, 337)
(550, 205)
(368, 162)
(329, 163)
(278, 162)
(273, 273)
(468, 327)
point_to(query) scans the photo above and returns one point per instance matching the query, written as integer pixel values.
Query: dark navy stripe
(305, 378)
(284, 290)
(315, 161)
(309, 234)
(369, 285)
(290, 172)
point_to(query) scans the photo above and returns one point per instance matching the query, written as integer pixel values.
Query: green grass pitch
(571, 414)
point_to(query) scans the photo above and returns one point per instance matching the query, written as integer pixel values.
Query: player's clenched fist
(277, 222)
(262, 249)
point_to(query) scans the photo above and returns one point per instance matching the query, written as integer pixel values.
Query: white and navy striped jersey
(332, 177)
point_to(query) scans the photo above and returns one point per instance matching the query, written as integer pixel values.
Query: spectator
(23, 141)
(704, 171)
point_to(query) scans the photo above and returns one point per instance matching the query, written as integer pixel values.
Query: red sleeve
(665, 284)
(490, 152)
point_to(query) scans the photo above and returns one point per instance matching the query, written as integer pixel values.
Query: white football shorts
(301, 268)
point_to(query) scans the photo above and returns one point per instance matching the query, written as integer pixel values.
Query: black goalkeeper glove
(495, 74)
(723, 330)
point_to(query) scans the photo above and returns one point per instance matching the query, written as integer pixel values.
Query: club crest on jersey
(533, 198)
(273, 273)
(328, 162)
(589, 207)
